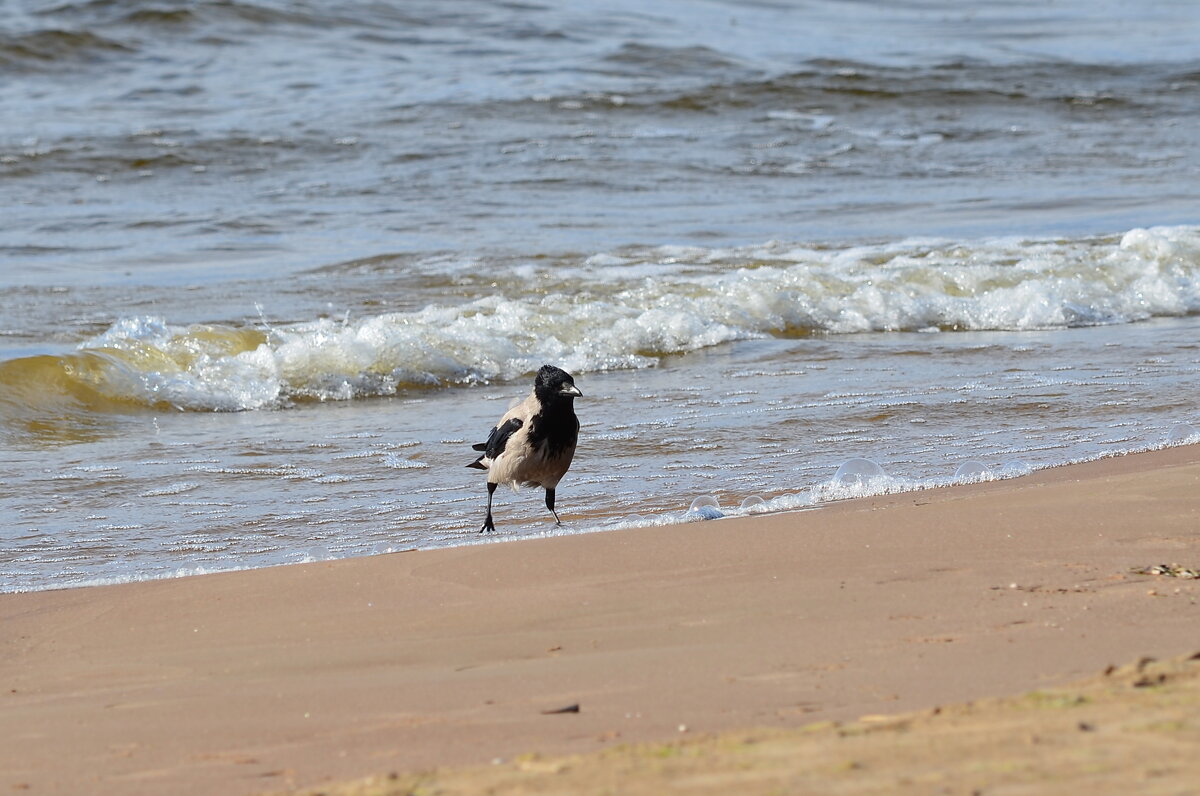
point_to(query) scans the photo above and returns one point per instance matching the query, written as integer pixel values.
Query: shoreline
(290, 676)
(782, 503)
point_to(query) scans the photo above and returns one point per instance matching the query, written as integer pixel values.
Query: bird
(534, 442)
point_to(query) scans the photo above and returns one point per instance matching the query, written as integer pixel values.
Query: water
(270, 268)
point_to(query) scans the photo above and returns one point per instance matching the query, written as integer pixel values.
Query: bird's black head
(554, 384)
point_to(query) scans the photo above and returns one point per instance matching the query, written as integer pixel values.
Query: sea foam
(631, 308)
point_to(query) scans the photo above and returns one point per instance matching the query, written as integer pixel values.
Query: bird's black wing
(499, 437)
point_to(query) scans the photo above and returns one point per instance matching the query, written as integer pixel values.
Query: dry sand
(1133, 730)
(293, 676)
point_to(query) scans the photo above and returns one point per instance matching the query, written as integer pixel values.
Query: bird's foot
(488, 525)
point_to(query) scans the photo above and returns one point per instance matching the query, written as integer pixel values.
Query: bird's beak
(570, 389)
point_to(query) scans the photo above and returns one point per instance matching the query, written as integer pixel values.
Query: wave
(151, 149)
(638, 59)
(844, 87)
(153, 13)
(81, 32)
(627, 309)
(50, 46)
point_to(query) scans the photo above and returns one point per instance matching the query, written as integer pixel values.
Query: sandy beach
(271, 269)
(293, 676)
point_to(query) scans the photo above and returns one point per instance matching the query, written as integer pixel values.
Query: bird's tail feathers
(478, 464)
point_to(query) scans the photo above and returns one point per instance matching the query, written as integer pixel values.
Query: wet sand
(292, 676)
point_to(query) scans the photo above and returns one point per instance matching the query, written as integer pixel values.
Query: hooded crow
(534, 442)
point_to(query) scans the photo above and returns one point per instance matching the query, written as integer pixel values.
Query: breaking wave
(625, 310)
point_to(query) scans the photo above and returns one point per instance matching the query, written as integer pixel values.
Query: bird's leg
(488, 525)
(550, 505)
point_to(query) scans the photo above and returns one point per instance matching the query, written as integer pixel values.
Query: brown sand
(1135, 730)
(290, 676)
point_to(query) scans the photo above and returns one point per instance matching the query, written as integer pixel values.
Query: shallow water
(271, 267)
(155, 493)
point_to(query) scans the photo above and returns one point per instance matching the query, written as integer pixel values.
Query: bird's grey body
(534, 442)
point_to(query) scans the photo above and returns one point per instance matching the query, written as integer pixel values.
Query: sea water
(270, 268)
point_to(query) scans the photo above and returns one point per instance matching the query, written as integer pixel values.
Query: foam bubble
(1014, 469)
(860, 478)
(752, 503)
(972, 471)
(704, 507)
(858, 471)
(316, 553)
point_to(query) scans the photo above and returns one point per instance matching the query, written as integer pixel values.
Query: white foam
(174, 489)
(1014, 469)
(640, 305)
(127, 577)
(397, 462)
